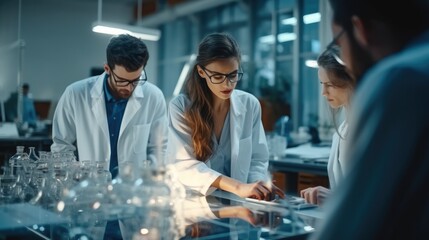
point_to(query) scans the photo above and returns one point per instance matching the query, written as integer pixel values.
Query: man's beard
(361, 61)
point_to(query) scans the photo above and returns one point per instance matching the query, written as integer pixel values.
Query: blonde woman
(337, 88)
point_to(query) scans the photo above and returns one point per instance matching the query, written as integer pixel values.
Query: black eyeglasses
(334, 43)
(218, 78)
(124, 82)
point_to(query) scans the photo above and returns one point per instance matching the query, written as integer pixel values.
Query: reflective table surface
(218, 216)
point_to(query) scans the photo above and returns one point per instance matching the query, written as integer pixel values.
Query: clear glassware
(103, 175)
(32, 155)
(44, 196)
(121, 196)
(23, 191)
(7, 185)
(85, 203)
(43, 163)
(277, 145)
(70, 157)
(60, 168)
(19, 159)
(49, 187)
(33, 159)
(154, 200)
(76, 173)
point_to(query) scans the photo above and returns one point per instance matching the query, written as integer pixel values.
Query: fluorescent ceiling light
(116, 29)
(311, 63)
(308, 18)
(282, 37)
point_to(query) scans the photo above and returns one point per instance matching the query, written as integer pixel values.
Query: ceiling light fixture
(115, 28)
(311, 63)
(307, 19)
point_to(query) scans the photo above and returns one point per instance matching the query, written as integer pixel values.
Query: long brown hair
(199, 115)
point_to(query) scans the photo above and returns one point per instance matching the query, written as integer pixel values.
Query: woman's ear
(360, 31)
(200, 71)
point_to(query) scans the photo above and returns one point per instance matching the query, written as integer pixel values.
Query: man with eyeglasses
(117, 116)
(385, 45)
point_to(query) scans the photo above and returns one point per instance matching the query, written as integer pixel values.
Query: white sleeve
(192, 173)
(63, 125)
(157, 143)
(259, 162)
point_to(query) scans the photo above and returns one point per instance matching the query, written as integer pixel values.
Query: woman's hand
(237, 212)
(276, 191)
(258, 190)
(315, 195)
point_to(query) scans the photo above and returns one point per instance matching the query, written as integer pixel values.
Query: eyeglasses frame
(226, 76)
(138, 81)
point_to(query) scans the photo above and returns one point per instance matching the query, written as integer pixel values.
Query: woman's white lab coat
(337, 165)
(81, 116)
(249, 151)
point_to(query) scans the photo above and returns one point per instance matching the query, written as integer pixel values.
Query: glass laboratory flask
(121, 195)
(84, 204)
(32, 156)
(7, 185)
(19, 159)
(154, 206)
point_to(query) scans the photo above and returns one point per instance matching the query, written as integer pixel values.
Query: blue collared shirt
(115, 109)
(221, 159)
(28, 111)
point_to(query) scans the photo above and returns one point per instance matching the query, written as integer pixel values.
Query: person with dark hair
(216, 136)
(112, 116)
(384, 195)
(117, 116)
(27, 109)
(337, 88)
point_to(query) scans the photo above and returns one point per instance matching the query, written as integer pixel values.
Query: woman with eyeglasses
(216, 137)
(337, 88)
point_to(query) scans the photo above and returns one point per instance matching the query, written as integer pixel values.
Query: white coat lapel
(133, 106)
(98, 105)
(237, 116)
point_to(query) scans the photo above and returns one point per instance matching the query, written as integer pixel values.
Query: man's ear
(360, 31)
(106, 68)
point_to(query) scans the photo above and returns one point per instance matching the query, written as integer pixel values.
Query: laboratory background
(50, 44)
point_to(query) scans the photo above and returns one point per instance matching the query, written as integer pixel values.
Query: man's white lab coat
(81, 116)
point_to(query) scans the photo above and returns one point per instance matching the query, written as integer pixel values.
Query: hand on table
(315, 195)
(259, 190)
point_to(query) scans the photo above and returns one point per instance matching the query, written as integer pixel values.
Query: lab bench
(301, 167)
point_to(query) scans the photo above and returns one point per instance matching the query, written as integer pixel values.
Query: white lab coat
(249, 151)
(81, 116)
(337, 164)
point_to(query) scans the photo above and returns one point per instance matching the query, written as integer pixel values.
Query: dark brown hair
(127, 51)
(199, 115)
